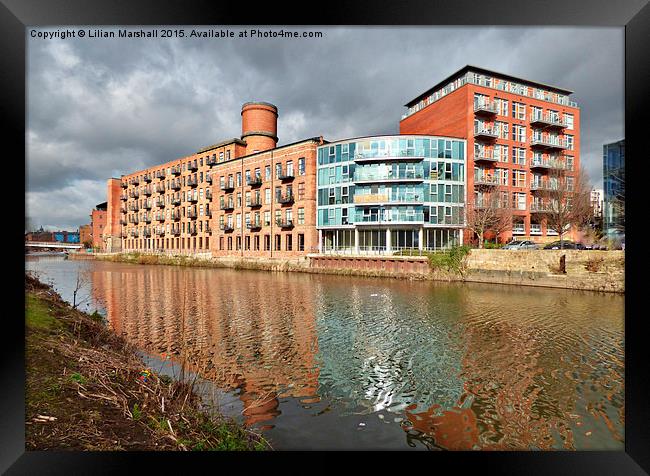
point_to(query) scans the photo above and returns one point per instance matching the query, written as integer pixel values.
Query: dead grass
(86, 390)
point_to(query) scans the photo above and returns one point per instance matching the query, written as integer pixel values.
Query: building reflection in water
(246, 331)
(459, 367)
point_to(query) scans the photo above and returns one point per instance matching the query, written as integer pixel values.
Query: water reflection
(449, 366)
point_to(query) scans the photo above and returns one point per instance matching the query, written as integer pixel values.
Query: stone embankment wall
(585, 269)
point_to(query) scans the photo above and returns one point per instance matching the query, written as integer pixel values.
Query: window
(519, 133)
(502, 129)
(301, 191)
(289, 215)
(569, 142)
(569, 184)
(267, 172)
(501, 153)
(247, 175)
(278, 170)
(267, 196)
(502, 176)
(569, 162)
(238, 221)
(278, 193)
(518, 178)
(239, 179)
(301, 165)
(301, 242)
(518, 110)
(248, 199)
(290, 168)
(518, 156)
(568, 118)
(519, 201)
(502, 107)
(221, 160)
(267, 218)
(227, 155)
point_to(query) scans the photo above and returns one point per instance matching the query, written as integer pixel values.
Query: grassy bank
(86, 390)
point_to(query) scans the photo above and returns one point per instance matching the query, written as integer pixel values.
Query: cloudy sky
(99, 108)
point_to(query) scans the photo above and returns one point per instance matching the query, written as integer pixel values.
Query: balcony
(284, 224)
(254, 181)
(212, 161)
(518, 229)
(541, 186)
(160, 217)
(147, 192)
(147, 178)
(160, 232)
(226, 228)
(386, 217)
(176, 231)
(135, 181)
(254, 225)
(146, 233)
(176, 170)
(387, 156)
(176, 201)
(285, 199)
(161, 175)
(193, 199)
(192, 214)
(192, 182)
(146, 206)
(546, 163)
(175, 185)
(135, 220)
(124, 197)
(548, 142)
(208, 194)
(485, 155)
(147, 219)
(134, 233)
(124, 184)
(135, 208)
(228, 187)
(160, 188)
(161, 203)
(385, 198)
(547, 120)
(535, 229)
(408, 176)
(193, 230)
(485, 132)
(485, 107)
(485, 180)
(123, 221)
(255, 203)
(227, 207)
(192, 166)
(208, 179)
(289, 175)
(122, 209)
(541, 207)
(176, 216)
(134, 194)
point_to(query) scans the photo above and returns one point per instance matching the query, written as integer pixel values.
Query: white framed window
(568, 118)
(569, 142)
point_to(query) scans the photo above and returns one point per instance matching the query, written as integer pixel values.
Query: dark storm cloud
(101, 108)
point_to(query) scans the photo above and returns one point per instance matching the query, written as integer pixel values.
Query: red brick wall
(219, 244)
(453, 115)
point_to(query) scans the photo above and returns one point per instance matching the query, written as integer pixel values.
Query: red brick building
(239, 196)
(98, 218)
(517, 131)
(86, 234)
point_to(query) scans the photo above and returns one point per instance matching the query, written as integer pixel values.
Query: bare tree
(488, 210)
(565, 201)
(82, 281)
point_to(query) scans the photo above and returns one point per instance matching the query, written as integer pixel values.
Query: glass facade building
(386, 193)
(614, 188)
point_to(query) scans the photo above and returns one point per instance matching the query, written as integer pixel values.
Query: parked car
(521, 245)
(566, 244)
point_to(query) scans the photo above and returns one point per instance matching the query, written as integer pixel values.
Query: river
(338, 362)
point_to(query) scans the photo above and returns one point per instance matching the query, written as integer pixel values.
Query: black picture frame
(633, 15)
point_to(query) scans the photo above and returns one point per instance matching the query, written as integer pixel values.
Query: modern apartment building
(242, 195)
(614, 188)
(519, 133)
(386, 193)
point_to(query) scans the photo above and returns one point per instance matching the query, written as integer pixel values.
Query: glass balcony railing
(387, 154)
(485, 179)
(486, 132)
(366, 198)
(485, 107)
(387, 216)
(548, 141)
(388, 176)
(547, 120)
(547, 163)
